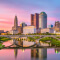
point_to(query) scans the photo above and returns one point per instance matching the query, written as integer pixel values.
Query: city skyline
(23, 10)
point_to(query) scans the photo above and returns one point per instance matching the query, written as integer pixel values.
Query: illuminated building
(13, 32)
(4, 33)
(16, 27)
(49, 30)
(29, 30)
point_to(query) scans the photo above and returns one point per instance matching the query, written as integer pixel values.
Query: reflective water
(28, 54)
(20, 43)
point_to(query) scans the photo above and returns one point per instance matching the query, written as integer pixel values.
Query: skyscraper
(15, 23)
(16, 27)
(57, 24)
(42, 20)
(35, 20)
(32, 19)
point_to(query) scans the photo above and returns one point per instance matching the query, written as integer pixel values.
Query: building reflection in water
(39, 54)
(15, 53)
(15, 42)
(57, 50)
(36, 54)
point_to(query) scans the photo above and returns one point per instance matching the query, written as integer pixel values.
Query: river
(29, 54)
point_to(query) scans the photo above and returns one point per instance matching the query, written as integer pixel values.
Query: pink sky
(8, 10)
(7, 17)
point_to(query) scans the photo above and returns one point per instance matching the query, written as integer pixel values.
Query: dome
(42, 13)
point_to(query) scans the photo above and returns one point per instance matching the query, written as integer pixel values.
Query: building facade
(14, 32)
(29, 30)
(57, 24)
(15, 23)
(1, 31)
(16, 27)
(35, 20)
(42, 20)
(49, 30)
(23, 24)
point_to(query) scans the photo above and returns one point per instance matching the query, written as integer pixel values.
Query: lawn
(54, 42)
(3, 39)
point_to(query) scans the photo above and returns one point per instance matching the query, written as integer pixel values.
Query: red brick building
(35, 20)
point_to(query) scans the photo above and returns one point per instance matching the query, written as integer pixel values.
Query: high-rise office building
(16, 27)
(57, 24)
(15, 23)
(35, 20)
(42, 20)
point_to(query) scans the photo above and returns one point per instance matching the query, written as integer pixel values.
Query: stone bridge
(25, 36)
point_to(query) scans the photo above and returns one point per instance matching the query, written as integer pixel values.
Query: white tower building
(43, 20)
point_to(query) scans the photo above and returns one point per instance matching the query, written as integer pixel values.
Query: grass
(36, 37)
(31, 39)
(54, 42)
(1, 46)
(58, 37)
(3, 39)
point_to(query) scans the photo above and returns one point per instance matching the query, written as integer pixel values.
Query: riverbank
(3, 39)
(51, 40)
(29, 47)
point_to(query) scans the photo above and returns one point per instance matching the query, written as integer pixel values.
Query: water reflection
(57, 50)
(13, 43)
(15, 53)
(36, 54)
(30, 54)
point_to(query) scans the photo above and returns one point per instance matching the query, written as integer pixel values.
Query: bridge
(19, 44)
(25, 36)
(17, 36)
